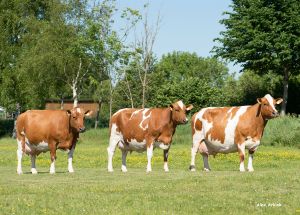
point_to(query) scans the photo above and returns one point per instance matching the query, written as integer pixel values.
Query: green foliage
(6, 127)
(283, 131)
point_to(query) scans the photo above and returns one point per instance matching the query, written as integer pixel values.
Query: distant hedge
(6, 127)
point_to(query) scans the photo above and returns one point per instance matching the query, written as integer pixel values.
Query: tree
(264, 36)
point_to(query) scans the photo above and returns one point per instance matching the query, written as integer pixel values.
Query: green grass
(92, 190)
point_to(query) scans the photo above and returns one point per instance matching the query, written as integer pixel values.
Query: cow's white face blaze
(267, 106)
(77, 116)
(179, 111)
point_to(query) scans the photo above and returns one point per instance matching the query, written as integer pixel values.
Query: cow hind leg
(52, 148)
(205, 162)
(19, 156)
(124, 155)
(149, 157)
(33, 167)
(113, 142)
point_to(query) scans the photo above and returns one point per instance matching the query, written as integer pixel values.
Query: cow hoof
(251, 170)
(71, 170)
(166, 170)
(242, 170)
(124, 169)
(19, 172)
(110, 170)
(34, 171)
(149, 170)
(206, 170)
(52, 172)
(192, 168)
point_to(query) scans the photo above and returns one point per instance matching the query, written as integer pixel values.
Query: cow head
(179, 111)
(267, 106)
(77, 118)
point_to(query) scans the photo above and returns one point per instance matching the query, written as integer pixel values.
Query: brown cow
(47, 130)
(231, 129)
(143, 129)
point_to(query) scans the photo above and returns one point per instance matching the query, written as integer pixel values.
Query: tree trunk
(75, 95)
(285, 91)
(97, 115)
(110, 100)
(129, 90)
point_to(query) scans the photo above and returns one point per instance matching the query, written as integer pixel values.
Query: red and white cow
(144, 129)
(231, 129)
(47, 130)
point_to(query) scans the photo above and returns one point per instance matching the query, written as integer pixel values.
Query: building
(67, 104)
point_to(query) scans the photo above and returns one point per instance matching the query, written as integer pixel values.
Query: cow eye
(266, 104)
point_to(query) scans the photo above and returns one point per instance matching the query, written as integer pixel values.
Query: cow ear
(69, 112)
(278, 101)
(88, 113)
(190, 107)
(259, 100)
(171, 107)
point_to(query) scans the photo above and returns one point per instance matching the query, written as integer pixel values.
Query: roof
(70, 101)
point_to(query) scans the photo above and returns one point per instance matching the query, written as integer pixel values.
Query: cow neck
(71, 131)
(258, 116)
(171, 122)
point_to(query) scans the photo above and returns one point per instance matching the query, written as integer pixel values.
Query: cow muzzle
(81, 130)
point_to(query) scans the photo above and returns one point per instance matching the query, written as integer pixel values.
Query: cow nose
(82, 129)
(185, 120)
(275, 113)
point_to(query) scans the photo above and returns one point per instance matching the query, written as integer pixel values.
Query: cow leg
(194, 151)
(250, 167)
(149, 156)
(124, 155)
(52, 157)
(113, 142)
(70, 159)
(33, 167)
(19, 155)
(241, 150)
(166, 155)
(205, 162)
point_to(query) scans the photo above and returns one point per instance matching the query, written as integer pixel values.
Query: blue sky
(189, 25)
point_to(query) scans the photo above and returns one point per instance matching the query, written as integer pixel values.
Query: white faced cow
(231, 129)
(143, 129)
(47, 130)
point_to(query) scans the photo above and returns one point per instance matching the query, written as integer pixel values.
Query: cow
(144, 129)
(231, 129)
(47, 130)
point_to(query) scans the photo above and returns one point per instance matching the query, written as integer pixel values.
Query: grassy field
(273, 188)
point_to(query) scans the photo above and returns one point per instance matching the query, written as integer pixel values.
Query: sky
(189, 25)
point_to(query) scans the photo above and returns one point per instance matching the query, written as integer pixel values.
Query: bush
(283, 131)
(6, 127)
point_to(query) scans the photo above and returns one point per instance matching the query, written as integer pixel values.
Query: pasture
(273, 188)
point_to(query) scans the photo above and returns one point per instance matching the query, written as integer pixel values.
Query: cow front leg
(194, 151)
(124, 155)
(33, 167)
(250, 166)
(149, 157)
(19, 156)
(166, 155)
(70, 159)
(241, 150)
(52, 148)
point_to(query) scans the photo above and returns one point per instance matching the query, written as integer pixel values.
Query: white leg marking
(205, 163)
(166, 167)
(250, 167)
(33, 168)
(52, 167)
(194, 151)
(242, 151)
(115, 138)
(19, 155)
(149, 156)
(124, 155)
(70, 159)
